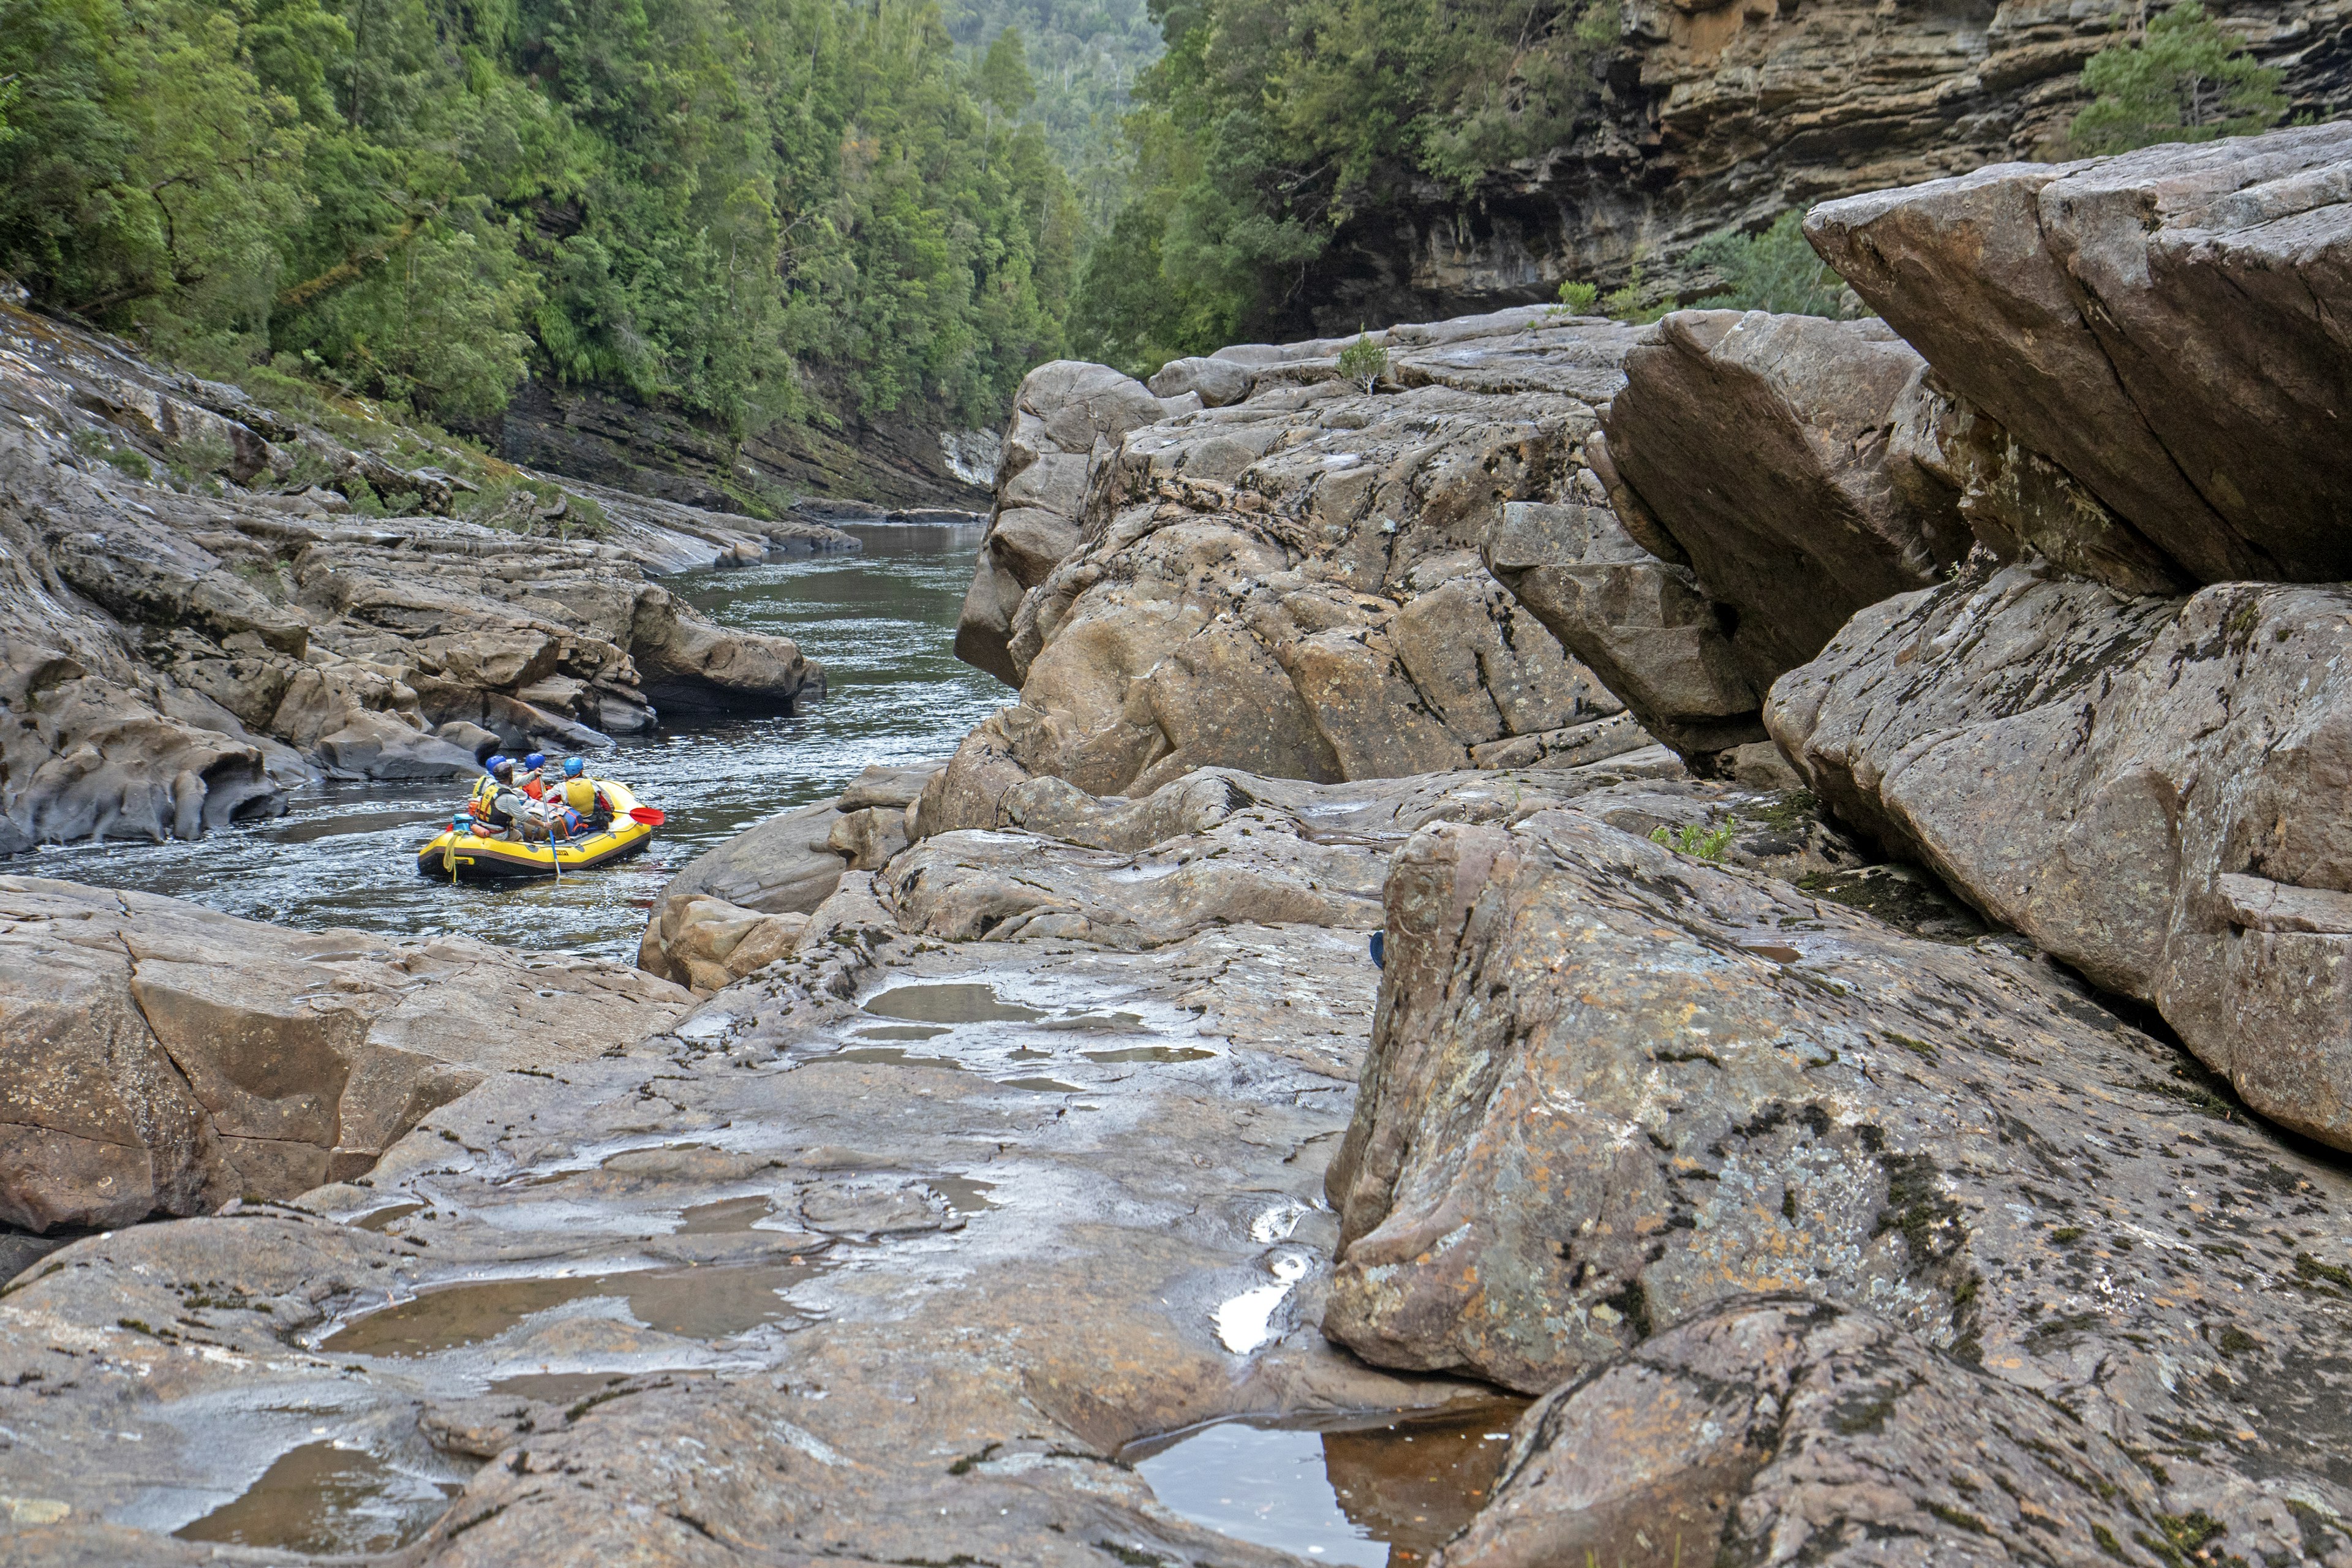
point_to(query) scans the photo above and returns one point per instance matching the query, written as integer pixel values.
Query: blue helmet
(498, 760)
(535, 761)
(574, 767)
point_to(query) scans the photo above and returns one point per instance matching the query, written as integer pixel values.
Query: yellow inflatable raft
(454, 857)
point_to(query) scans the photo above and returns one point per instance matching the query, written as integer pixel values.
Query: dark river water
(882, 622)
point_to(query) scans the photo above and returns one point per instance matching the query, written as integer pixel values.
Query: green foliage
(2184, 81)
(1775, 270)
(1580, 299)
(1268, 123)
(1690, 838)
(1634, 302)
(1363, 362)
(423, 201)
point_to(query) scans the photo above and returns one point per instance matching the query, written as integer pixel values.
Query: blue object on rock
(1379, 949)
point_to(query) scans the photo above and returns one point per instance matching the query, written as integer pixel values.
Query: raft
(454, 857)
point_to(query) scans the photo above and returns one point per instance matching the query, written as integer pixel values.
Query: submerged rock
(1613, 1087)
(161, 1059)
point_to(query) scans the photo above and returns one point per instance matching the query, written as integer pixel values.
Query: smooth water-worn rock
(1290, 583)
(785, 866)
(879, 1256)
(161, 1059)
(1064, 415)
(1613, 1087)
(2164, 326)
(2151, 788)
(194, 620)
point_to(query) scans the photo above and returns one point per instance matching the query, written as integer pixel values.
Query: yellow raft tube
(454, 857)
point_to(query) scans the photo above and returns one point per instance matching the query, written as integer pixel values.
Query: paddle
(647, 815)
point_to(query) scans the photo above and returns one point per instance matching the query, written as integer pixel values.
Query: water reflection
(1375, 1491)
(883, 621)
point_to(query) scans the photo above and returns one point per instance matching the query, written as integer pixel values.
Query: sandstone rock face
(1612, 1088)
(179, 650)
(1065, 413)
(1723, 116)
(1290, 584)
(2150, 788)
(161, 1059)
(2164, 326)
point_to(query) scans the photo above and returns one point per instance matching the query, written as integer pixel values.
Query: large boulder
(162, 1058)
(2151, 788)
(2166, 326)
(1290, 584)
(1065, 411)
(1613, 1086)
(1759, 444)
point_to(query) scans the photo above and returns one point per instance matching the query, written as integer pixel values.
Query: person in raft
(499, 807)
(591, 807)
(532, 781)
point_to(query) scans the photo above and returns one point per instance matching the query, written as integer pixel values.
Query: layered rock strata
(1289, 584)
(1725, 116)
(195, 618)
(1613, 1088)
(163, 1059)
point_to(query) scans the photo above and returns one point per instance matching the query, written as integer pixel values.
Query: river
(882, 621)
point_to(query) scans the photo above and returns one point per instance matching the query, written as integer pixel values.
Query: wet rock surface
(1612, 1088)
(2148, 787)
(161, 1059)
(197, 619)
(2158, 324)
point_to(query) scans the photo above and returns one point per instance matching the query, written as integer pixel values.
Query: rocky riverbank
(199, 613)
(1861, 1038)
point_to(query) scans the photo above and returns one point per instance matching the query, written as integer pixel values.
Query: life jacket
(583, 796)
(485, 789)
(535, 787)
(505, 809)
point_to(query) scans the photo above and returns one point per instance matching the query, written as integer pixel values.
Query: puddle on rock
(1041, 1085)
(950, 1003)
(1150, 1054)
(1373, 1491)
(696, 1303)
(328, 1501)
(1098, 1023)
(378, 1219)
(892, 1055)
(964, 1196)
(903, 1032)
(558, 1387)
(724, 1218)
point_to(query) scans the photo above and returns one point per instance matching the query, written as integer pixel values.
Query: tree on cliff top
(2184, 81)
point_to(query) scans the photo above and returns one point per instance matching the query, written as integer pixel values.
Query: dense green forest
(1082, 57)
(425, 200)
